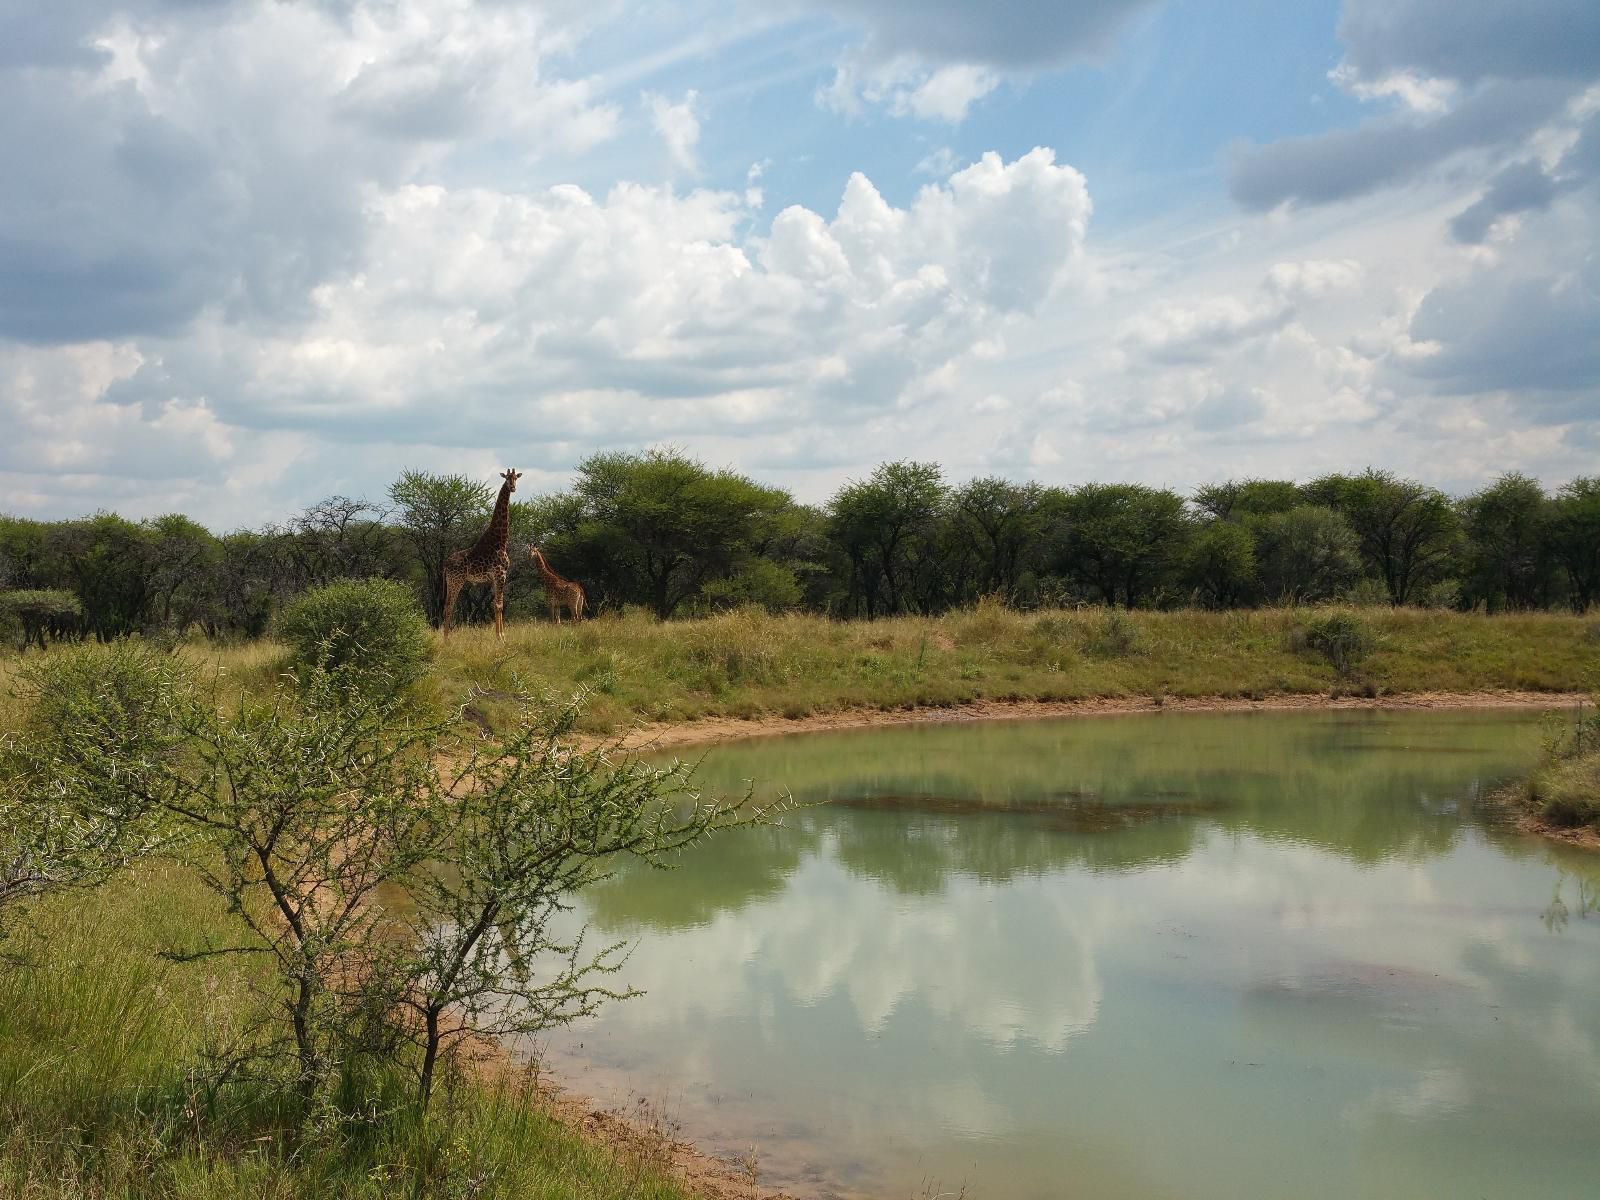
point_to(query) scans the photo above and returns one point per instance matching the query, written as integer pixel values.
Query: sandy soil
(724, 729)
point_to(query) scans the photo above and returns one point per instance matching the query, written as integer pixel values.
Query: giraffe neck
(545, 572)
(494, 538)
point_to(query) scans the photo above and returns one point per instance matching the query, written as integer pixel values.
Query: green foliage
(38, 614)
(1240, 498)
(1407, 533)
(1122, 542)
(1220, 564)
(438, 515)
(1342, 638)
(888, 528)
(1575, 539)
(368, 631)
(1306, 555)
(397, 871)
(75, 794)
(660, 528)
(1508, 527)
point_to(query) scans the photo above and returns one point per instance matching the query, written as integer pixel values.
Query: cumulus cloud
(140, 206)
(1194, 333)
(1484, 78)
(907, 88)
(570, 317)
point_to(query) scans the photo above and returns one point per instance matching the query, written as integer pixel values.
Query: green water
(1234, 955)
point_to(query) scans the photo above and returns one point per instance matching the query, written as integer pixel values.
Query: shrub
(1341, 638)
(361, 630)
(39, 614)
(1117, 636)
(76, 779)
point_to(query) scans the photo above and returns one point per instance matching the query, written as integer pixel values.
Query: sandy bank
(725, 729)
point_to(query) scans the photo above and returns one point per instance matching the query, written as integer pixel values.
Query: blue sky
(256, 253)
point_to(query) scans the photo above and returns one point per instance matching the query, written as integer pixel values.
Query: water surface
(1184, 955)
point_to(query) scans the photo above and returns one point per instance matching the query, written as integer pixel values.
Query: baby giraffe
(486, 561)
(561, 593)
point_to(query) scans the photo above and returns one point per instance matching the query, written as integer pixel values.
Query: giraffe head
(511, 478)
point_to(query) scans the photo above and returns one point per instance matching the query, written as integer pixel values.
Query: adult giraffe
(486, 561)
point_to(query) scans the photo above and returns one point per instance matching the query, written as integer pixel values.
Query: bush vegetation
(368, 889)
(663, 532)
(370, 631)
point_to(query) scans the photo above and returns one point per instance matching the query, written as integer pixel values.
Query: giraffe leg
(500, 605)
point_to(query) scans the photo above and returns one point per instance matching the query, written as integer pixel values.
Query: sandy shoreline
(726, 729)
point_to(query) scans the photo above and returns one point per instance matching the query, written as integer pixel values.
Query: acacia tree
(887, 525)
(1220, 563)
(439, 514)
(1508, 526)
(387, 862)
(1122, 539)
(1306, 555)
(658, 527)
(1408, 533)
(1575, 539)
(534, 821)
(1004, 523)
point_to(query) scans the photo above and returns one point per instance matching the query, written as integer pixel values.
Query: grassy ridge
(747, 663)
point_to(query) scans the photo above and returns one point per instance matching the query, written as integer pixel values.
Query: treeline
(664, 531)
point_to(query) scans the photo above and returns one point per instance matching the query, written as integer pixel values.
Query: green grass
(749, 664)
(101, 1042)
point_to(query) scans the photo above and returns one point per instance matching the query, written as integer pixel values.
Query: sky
(254, 253)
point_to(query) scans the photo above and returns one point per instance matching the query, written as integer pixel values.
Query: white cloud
(946, 94)
(679, 128)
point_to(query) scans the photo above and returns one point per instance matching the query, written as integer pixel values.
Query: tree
(658, 527)
(105, 560)
(1123, 540)
(1408, 533)
(399, 871)
(1004, 524)
(1249, 498)
(340, 538)
(439, 514)
(181, 559)
(1508, 536)
(539, 822)
(888, 526)
(1220, 563)
(1306, 555)
(1575, 539)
